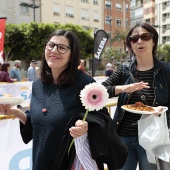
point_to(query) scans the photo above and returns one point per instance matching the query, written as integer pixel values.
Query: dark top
(105, 144)
(108, 73)
(4, 77)
(47, 129)
(129, 126)
(161, 86)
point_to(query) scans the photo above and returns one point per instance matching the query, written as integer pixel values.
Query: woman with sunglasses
(150, 76)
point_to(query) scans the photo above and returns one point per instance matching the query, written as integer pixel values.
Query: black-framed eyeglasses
(61, 48)
(145, 36)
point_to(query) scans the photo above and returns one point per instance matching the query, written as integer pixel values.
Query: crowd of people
(55, 114)
(11, 75)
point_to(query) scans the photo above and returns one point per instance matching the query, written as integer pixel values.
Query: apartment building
(136, 12)
(87, 13)
(20, 11)
(162, 20)
(116, 17)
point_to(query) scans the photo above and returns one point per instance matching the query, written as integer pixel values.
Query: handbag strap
(143, 98)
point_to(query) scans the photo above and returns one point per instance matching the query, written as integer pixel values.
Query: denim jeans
(136, 154)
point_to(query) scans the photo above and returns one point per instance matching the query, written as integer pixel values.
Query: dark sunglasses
(145, 36)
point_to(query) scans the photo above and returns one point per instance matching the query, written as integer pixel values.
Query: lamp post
(33, 6)
(110, 20)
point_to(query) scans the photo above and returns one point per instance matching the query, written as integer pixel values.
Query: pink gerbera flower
(94, 96)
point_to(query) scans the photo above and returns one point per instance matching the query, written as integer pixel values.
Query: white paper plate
(144, 112)
(11, 100)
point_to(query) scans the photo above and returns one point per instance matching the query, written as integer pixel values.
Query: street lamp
(110, 21)
(31, 6)
(34, 7)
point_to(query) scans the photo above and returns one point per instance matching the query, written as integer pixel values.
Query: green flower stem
(84, 118)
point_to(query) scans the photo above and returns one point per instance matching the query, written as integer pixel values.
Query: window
(127, 23)
(148, 20)
(70, 12)
(86, 1)
(107, 19)
(56, 10)
(118, 7)
(118, 22)
(127, 7)
(108, 4)
(147, 1)
(85, 14)
(95, 2)
(96, 16)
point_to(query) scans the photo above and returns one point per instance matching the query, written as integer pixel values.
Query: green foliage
(113, 53)
(120, 37)
(163, 52)
(26, 41)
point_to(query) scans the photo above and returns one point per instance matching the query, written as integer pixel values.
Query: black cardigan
(105, 145)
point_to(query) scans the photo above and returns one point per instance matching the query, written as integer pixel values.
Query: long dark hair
(68, 75)
(5, 66)
(150, 29)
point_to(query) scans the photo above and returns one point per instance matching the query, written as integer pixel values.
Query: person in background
(151, 78)
(55, 101)
(15, 72)
(82, 66)
(109, 70)
(4, 74)
(31, 73)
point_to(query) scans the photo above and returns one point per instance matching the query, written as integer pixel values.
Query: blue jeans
(136, 154)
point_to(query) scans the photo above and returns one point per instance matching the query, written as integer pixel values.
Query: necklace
(47, 95)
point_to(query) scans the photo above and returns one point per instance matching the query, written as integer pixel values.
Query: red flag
(2, 35)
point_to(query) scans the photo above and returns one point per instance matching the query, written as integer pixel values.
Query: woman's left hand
(160, 109)
(80, 128)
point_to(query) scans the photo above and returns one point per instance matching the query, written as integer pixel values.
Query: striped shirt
(129, 124)
(83, 159)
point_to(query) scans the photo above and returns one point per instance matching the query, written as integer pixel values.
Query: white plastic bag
(152, 131)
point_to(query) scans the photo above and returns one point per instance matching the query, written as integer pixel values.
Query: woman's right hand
(13, 110)
(131, 87)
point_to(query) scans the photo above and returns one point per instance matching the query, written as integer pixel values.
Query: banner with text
(2, 35)
(100, 41)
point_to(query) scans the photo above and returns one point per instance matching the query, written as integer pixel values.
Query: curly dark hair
(150, 29)
(69, 74)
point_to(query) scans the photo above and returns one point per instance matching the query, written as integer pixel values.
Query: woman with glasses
(144, 75)
(56, 112)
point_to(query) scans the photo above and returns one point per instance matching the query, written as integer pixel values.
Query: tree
(163, 52)
(120, 36)
(113, 53)
(166, 52)
(13, 41)
(26, 41)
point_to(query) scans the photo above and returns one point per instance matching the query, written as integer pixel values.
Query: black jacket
(105, 145)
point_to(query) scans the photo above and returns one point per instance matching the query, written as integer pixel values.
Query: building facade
(116, 17)
(87, 13)
(162, 20)
(155, 12)
(21, 11)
